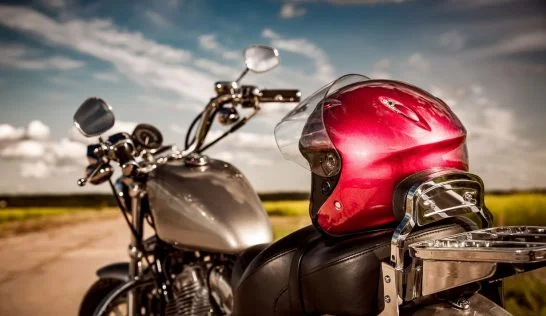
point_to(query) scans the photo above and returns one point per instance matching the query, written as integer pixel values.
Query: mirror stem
(242, 75)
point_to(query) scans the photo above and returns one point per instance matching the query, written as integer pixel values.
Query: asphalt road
(47, 273)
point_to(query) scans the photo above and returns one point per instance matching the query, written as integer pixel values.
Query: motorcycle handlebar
(280, 95)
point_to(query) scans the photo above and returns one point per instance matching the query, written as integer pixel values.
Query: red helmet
(360, 138)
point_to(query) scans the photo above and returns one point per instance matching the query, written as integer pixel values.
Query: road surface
(48, 272)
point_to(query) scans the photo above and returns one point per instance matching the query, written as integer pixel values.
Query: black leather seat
(336, 276)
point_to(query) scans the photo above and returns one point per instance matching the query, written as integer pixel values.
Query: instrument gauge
(147, 136)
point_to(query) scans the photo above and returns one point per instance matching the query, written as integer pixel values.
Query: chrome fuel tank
(209, 207)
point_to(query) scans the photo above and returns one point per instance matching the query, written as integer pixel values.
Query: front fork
(137, 193)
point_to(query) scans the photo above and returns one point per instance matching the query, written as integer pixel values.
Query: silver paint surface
(211, 207)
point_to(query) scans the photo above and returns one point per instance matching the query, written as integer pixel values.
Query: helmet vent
(405, 111)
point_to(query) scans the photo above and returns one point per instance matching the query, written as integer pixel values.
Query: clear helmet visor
(302, 134)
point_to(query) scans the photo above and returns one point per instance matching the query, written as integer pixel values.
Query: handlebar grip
(280, 96)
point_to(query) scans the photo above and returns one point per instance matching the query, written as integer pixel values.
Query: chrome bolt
(460, 303)
(387, 279)
(387, 299)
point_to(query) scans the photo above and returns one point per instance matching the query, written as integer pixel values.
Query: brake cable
(187, 142)
(137, 236)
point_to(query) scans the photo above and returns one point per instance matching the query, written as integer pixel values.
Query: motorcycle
(212, 253)
(203, 211)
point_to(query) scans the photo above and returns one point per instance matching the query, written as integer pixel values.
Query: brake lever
(83, 181)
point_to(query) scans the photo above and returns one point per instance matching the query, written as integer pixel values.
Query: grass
(15, 221)
(524, 293)
(518, 209)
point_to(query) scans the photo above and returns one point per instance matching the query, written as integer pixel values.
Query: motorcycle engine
(191, 292)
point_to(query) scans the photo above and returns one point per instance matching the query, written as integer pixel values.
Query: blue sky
(156, 62)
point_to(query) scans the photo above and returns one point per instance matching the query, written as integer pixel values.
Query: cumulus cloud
(289, 11)
(37, 130)
(210, 43)
(324, 70)
(39, 156)
(247, 158)
(106, 76)
(417, 62)
(37, 169)
(156, 18)
(529, 42)
(144, 61)
(153, 101)
(381, 69)
(495, 143)
(216, 68)
(10, 133)
(22, 57)
(25, 149)
(242, 140)
(452, 40)
(240, 148)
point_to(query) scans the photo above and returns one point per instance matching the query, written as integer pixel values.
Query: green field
(15, 221)
(525, 294)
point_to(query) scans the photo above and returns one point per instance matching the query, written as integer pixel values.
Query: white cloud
(156, 18)
(67, 152)
(177, 129)
(289, 11)
(381, 69)
(10, 133)
(241, 158)
(217, 68)
(25, 149)
(19, 56)
(534, 41)
(40, 156)
(37, 130)
(154, 101)
(268, 33)
(452, 40)
(106, 76)
(242, 140)
(37, 169)
(209, 42)
(476, 89)
(255, 141)
(142, 60)
(418, 62)
(498, 152)
(324, 71)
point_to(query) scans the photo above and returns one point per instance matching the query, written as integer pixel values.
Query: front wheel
(98, 291)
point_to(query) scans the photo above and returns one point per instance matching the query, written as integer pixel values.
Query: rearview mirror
(261, 58)
(94, 117)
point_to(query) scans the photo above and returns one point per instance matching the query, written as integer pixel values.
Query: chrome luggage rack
(512, 244)
(441, 264)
